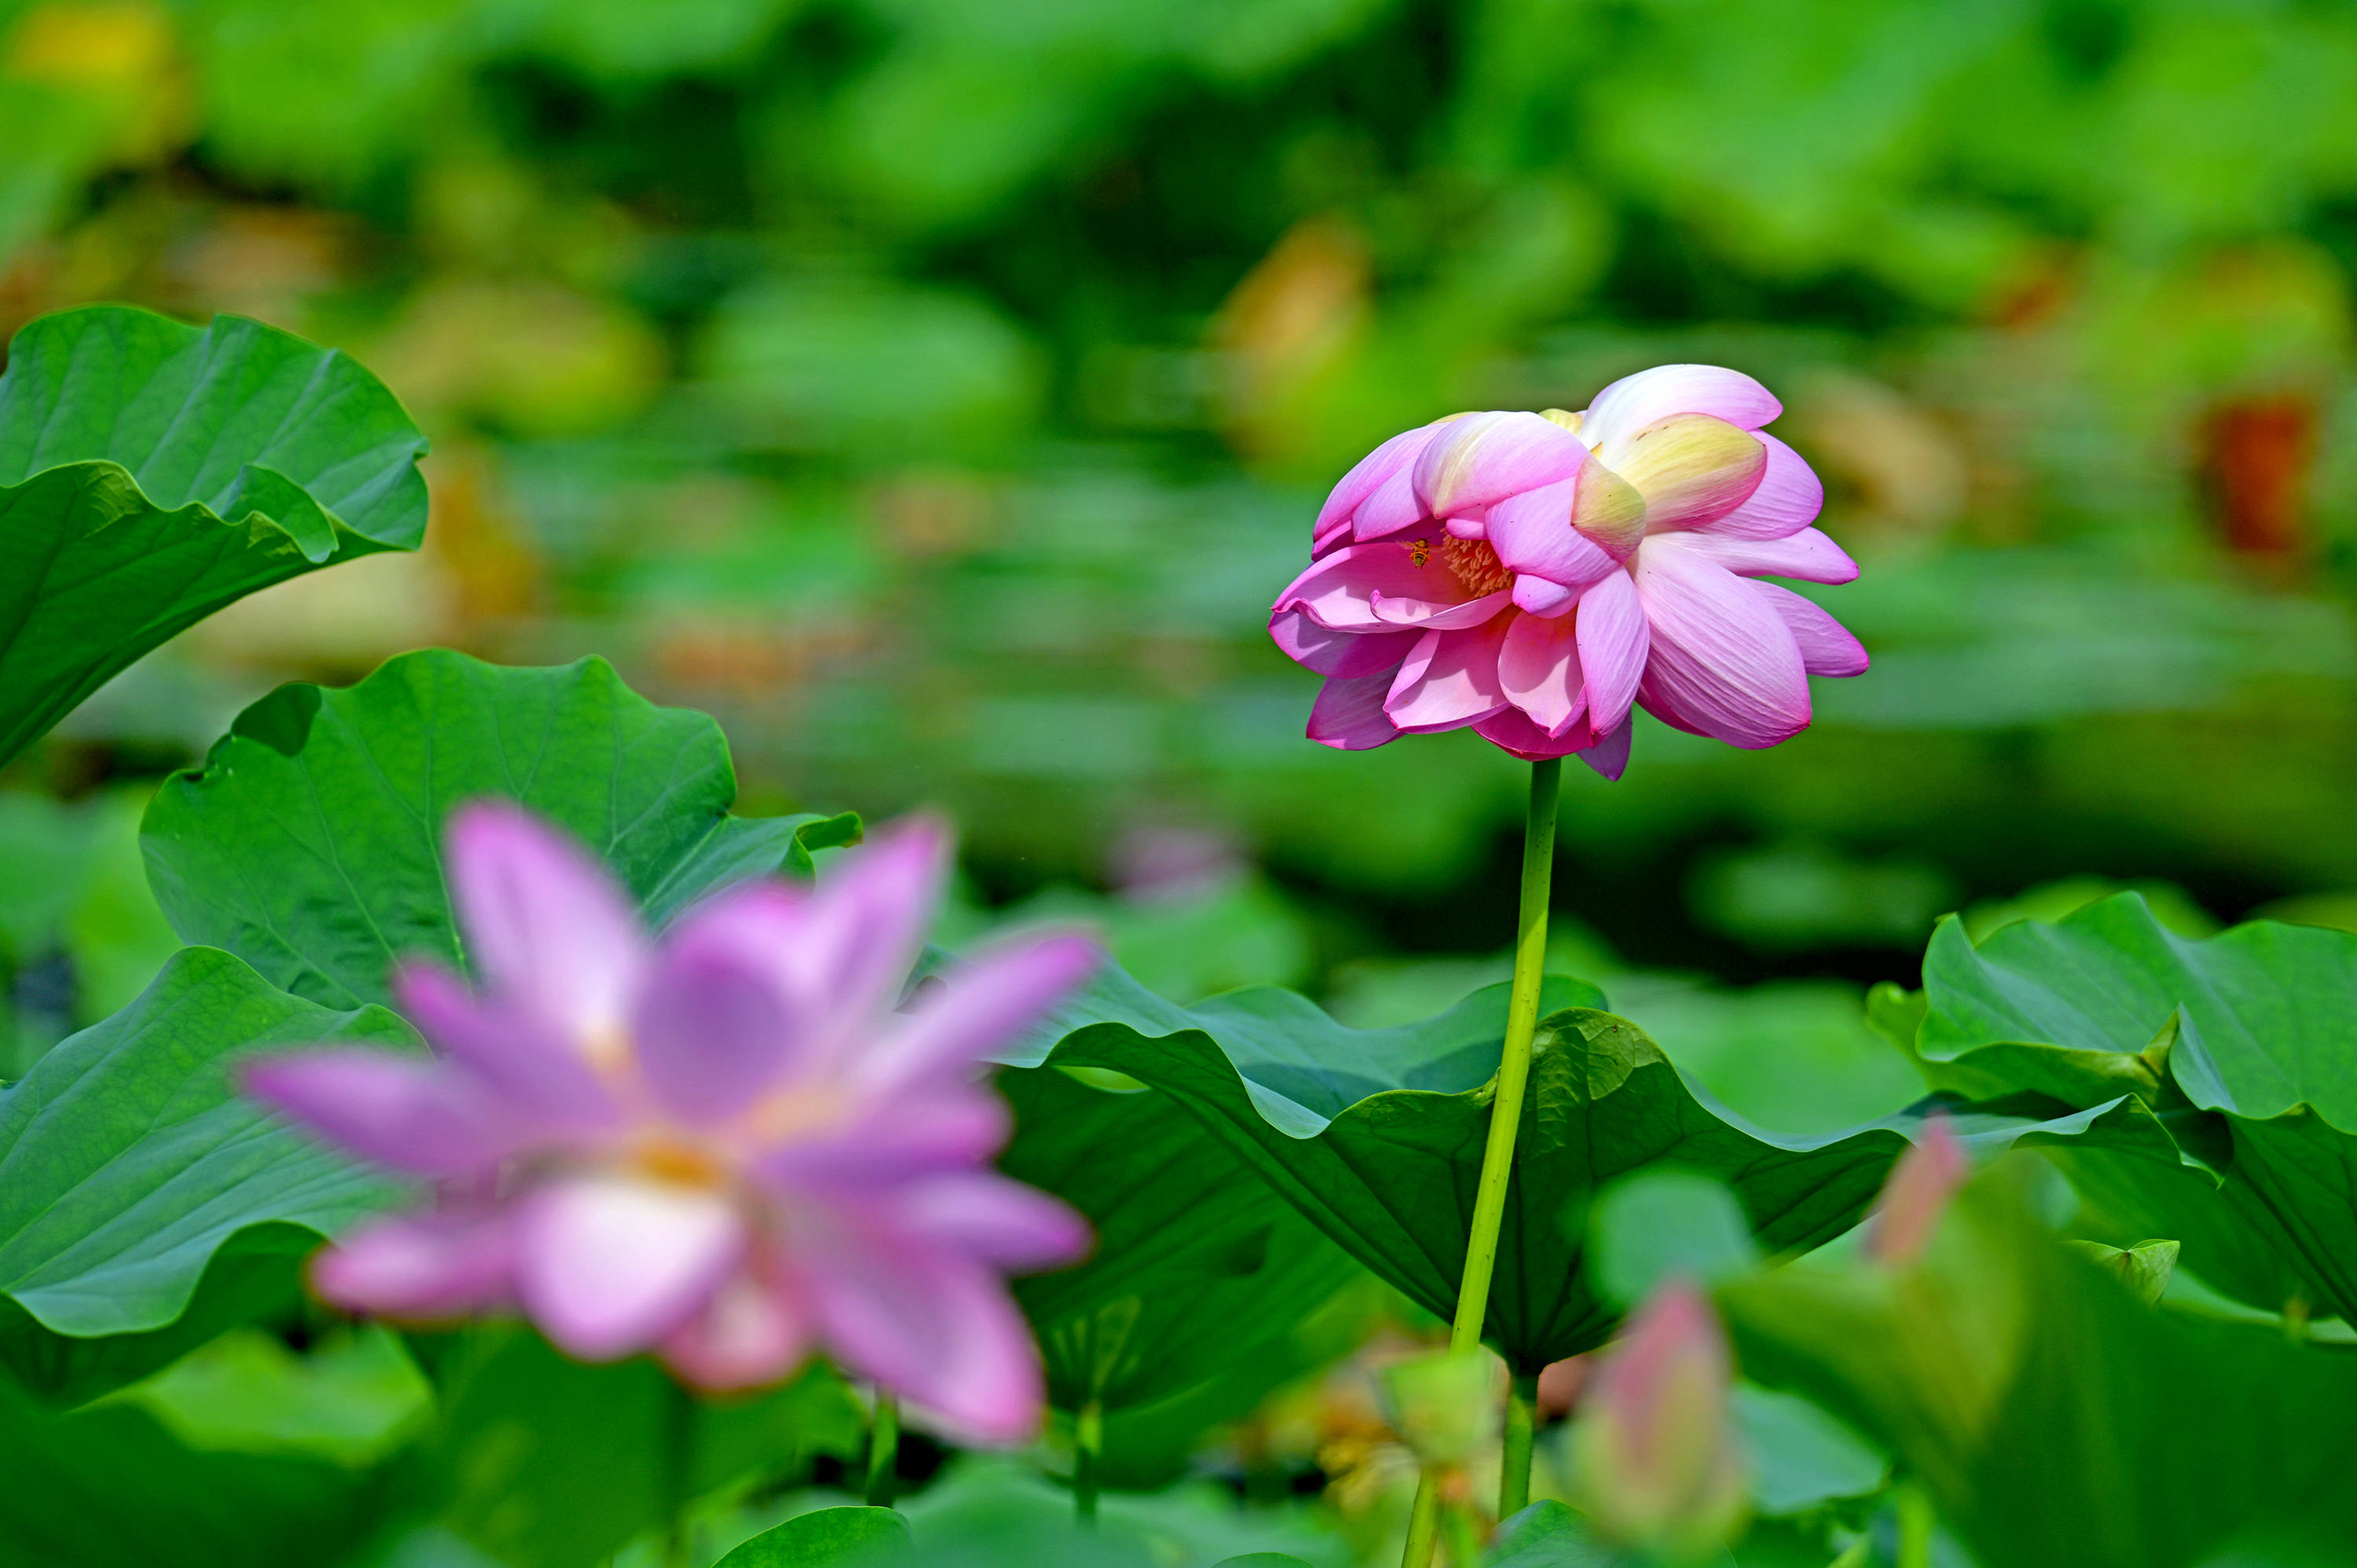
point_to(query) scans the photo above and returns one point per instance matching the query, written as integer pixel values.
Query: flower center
(678, 1163)
(1475, 564)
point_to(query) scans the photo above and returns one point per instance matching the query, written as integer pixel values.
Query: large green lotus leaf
(2057, 1421)
(309, 843)
(132, 1164)
(1376, 1135)
(1199, 1264)
(2254, 1031)
(110, 1487)
(151, 472)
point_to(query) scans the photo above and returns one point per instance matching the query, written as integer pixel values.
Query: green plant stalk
(1088, 1444)
(678, 1476)
(883, 1451)
(1522, 1430)
(1505, 1122)
(1915, 1524)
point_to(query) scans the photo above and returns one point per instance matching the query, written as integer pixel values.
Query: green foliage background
(939, 391)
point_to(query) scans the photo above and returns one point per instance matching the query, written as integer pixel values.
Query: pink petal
(866, 926)
(713, 1027)
(1808, 555)
(996, 1221)
(1826, 646)
(1532, 532)
(1339, 591)
(418, 1266)
(951, 1128)
(1538, 597)
(924, 1321)
(1349, 712)
(1427, 615)
(1789, 498)
(606, 1265)
(545, 923)
(1538, 668)
(1613, 644)
(1722, 662)
(985, 1003)
(539, 1072)
(1511, 731)
(1485, 458)
(1344, 654)
(753, 1331)
(1633, 403)
(406, 1112)
(1395, 457)
(1609, 755)
(1451, 680)
(1393, 509)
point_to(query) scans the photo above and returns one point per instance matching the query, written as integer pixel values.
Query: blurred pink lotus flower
(1535, 575)
(722, 1146)
(1653, 1446)
(1915, 1198)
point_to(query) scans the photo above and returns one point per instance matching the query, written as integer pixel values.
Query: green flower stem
(678, 1479)
(1522, 1428)
(884, 1452)
(1505, 1121)
(1088, 1443)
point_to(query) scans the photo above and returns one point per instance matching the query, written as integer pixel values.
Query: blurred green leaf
(870, 366)
(110, 1488)
(151, 472)
(310, 844)
(545, 1462)
(2056, 1418)
(1798, 1456)
(133, 1159)
(1377, 1136)
(1657, 1226)
(350, 1397)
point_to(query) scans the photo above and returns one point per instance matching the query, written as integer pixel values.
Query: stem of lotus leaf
(1505, 1121)
(1915, 1523)
(884, 1452)
(678, 1474)
(1088, 1446)
(1521, 1429)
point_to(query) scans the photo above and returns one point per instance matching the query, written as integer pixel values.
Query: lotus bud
(1653, 1446)
(1445, 1405)
(1916, 1196)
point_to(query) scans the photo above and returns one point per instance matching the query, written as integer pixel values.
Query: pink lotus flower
(722, 1145)
(1535, 575)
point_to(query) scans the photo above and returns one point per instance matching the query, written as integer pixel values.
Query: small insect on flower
(1587, 563)
(722, 1145)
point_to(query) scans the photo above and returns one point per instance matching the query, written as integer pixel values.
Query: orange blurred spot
(2255, 454)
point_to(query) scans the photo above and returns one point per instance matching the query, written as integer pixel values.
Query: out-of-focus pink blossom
(1653, 1448)
(1916, 1196)
(722, 1145)
(1534, 576)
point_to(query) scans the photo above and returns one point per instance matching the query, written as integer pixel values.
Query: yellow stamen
(1476, 565)
(681, 1164)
